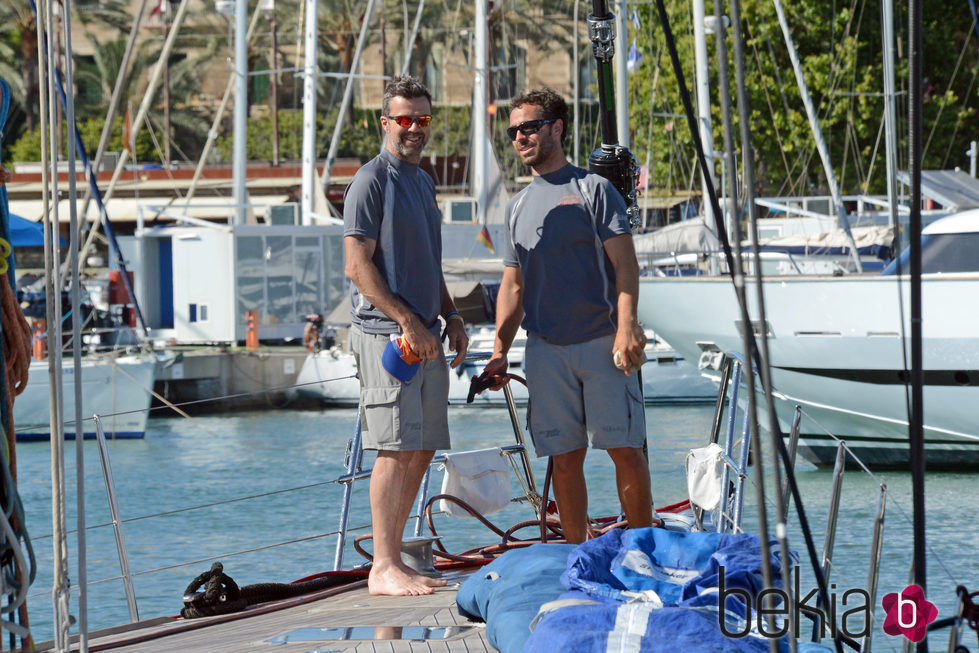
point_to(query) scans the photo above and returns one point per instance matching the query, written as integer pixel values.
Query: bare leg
(394, 485)
(388, 632)
(632, 481)
(571, 494)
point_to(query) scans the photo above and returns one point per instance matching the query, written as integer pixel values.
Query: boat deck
(334, 620)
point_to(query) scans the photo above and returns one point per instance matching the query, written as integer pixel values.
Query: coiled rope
(16, 362)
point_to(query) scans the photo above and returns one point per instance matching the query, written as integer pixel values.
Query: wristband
(454, 315)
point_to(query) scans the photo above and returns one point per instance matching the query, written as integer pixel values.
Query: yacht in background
(838, 347)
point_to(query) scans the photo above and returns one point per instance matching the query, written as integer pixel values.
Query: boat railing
(775, 261)
(727, 518)
(730, 368)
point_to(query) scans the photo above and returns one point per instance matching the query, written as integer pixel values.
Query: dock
(231, 378)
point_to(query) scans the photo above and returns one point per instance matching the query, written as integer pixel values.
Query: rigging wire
(753, 349)
(945, 96)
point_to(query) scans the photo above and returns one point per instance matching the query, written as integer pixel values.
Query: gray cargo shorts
(399, 416)
(578, 397)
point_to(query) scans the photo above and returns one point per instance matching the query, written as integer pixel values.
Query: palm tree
(18, 60)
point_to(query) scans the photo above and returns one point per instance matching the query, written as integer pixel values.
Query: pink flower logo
(908, 613)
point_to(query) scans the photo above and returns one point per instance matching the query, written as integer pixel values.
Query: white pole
(480, 151)
(76, 339)
(240, 161)
(703, 113)
(890, 121)
(309, 115)
(411, 41)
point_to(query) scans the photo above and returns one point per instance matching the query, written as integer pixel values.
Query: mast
(612, 160)
(76, 335)
(240, 157)
(622, 75)
(890, 121)
(480, 149)
(60, 591)
(309, 114)
(702, 83)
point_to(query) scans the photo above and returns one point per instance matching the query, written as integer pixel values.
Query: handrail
(354, 459)
(352, 462)
(110, 487)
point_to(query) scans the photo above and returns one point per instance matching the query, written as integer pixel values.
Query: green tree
(18, 63)
(28, 146)
(840, 50)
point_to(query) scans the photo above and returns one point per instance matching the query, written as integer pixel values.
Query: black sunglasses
(406, 121)
(527, 128)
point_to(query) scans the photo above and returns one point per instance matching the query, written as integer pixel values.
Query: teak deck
(341, 614)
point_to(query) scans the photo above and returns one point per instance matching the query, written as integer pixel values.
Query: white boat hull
(836, 350)
(118, 390)
(667, 378)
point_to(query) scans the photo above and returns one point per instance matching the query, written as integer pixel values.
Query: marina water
(212, 460)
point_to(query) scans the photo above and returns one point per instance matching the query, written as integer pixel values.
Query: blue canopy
(25, 233)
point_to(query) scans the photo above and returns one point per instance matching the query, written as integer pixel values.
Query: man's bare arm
(455, 329)
(629, 337)
(509, 313)
(359, 268)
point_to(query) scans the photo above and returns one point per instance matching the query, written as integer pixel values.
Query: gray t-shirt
(393, 202)
(555, 228)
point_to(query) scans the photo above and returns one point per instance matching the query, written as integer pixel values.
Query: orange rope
(17, 355)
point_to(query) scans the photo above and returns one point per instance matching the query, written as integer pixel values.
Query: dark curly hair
(552, 104)
(404, 86)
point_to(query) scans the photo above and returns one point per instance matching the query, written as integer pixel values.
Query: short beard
(403, 151)
(543, 153)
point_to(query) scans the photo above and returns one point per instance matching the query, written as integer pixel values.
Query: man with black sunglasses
(393, 251)
(572, 278)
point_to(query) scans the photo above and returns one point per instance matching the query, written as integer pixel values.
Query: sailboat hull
(118, 390)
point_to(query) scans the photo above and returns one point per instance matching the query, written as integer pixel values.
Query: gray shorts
(578, 397)
(399, 416)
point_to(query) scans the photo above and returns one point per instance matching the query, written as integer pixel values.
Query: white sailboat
(117, 388)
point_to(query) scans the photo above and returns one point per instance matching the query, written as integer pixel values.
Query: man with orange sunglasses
(393, 249)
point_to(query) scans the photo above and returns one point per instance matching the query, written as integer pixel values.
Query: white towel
(480, 478)
(704, 468)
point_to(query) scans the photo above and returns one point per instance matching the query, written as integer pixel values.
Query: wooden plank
(344, 609)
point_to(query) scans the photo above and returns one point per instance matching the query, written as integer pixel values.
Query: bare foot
(399, 580)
